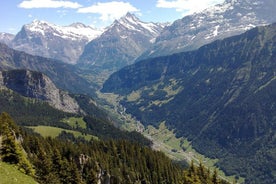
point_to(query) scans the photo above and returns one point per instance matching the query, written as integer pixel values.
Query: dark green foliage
(89, 105)
(31, 112)
(61, 161)
(55, 162)
(227, 105)
(105, 130)
(10, 147)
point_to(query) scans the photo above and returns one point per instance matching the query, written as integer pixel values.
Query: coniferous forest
(69, 160)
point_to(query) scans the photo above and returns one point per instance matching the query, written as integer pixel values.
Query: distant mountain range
(130, 39)
(223, 20)
(221, 97)
(120, 44)
(205, 76)
(64, 43)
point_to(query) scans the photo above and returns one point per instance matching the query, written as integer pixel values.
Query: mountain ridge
(226, 86)
(38, 86)
(49, 40)
(232, 17)
(63, 75)
(120, 44)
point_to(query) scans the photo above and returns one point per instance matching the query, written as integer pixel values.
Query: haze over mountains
(208, 77)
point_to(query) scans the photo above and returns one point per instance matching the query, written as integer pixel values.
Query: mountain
(63, 75)
(64, 43)
(230, 18)
(37, 85)
(120, 44)
(6, 38)
(221, 97)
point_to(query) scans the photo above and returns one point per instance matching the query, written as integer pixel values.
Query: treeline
(32, 112)
(65, 161)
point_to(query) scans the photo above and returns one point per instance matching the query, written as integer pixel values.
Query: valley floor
(178, 149)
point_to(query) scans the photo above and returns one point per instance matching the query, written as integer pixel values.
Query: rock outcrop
(37, 85)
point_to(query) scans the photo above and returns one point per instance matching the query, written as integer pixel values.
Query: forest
(69, 160)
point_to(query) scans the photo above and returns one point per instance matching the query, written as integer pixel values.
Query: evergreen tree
(10, 148)
(215, 179)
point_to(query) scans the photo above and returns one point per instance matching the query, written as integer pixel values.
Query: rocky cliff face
(39, 86)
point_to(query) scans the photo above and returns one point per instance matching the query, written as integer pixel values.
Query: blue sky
(96, 13)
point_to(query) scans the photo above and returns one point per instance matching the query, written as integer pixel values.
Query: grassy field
(47, 131)
(9, 174)
(75, 122)
(179, 148)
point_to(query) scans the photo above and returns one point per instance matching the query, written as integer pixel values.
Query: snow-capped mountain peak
(120, 44)
(74, 31)
(65, 43)
(129, 18)
(133, 23)
(229, 18)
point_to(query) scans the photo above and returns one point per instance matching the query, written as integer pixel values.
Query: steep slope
(66, 160)
(221, 97)
(64, 43)
(120, 44)
(39, 86)
(10, 174)
(63, 75)
(230, 18)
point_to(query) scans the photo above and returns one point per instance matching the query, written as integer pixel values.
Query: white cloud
(62, 12)
(28, 4)
(187, 6)
(110, 10)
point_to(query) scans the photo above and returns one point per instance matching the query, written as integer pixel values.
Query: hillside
(65, 76)
(227, 86)
(38, 86)
(118, 46)
(72, 161)
(9, 174)
(34, 112)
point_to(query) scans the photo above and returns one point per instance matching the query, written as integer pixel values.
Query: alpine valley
(221, 97)
(192, 101)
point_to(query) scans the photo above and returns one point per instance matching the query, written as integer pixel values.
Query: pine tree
(215, 179)
(10, 150)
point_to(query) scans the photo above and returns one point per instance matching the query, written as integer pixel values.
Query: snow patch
(133, 23)
(75, 31)
(215, 33)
